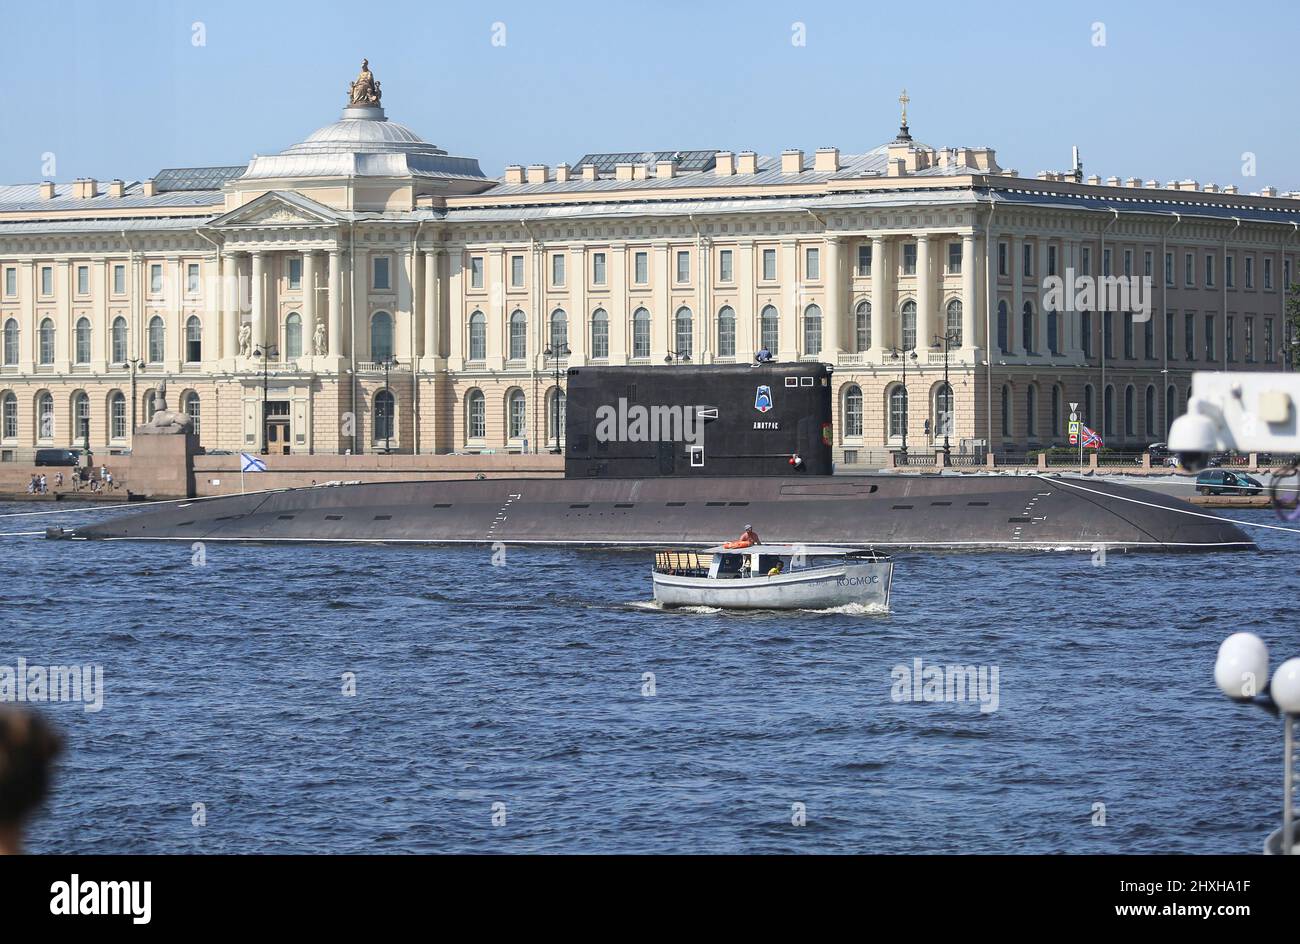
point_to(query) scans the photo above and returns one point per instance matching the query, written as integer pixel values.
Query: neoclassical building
(364, 289)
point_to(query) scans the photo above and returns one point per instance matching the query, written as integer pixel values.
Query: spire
(903, 133)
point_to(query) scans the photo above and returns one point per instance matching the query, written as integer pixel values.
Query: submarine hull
(933, 512)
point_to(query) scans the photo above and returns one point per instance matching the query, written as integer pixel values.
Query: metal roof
(686, 161)
(1219, 206)
(194, 178)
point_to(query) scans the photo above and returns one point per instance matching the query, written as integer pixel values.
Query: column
(969, 293)
(789, 310)
(833, 317)
(1014, 319)
(359, 338)
(620, 348)
(576, 277)
(228, 304)
(309, 302)
(405, 281)
(63, 315)
(879, 268)
(661, 317)
(258, 296)
(924, 298)
(432, 296)
(334, 340)
(1039, 307)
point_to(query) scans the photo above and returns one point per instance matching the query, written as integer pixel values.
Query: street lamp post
(388, 361)
(946, 339)
(677, 357)
(555, 357)
(265, 353)
(134, 365)
(896, 354)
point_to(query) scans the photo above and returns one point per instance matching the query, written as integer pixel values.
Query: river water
(540, 705)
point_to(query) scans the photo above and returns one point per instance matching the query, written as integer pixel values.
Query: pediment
(279, 208)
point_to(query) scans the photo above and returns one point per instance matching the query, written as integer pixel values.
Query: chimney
(1152, 185)
(588, 171)
(827, 160)
(1268, 192)
(640, 171)
(116, 188)
(1231, 188)
(896, 167)
(1094, 180)
(85, 188)
(562, 173)
(1211, 188)
(747, 162)
(1132, 182)
(1045, 175)
(1112, 181)
(47, 190)
(148, 188)
(537, 173)
(792, 162)
(666, 169)
(623, 171)
(724, 164)
(514, 174)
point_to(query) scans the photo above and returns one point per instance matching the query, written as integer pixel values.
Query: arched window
(559, 332)
(1027, 327)
(194, 340)
(600, 334)
(812, 330)
(1031, 410)
(1056, 409)
(727, 331)
(852, 412)
(150, 405)
(81, 350)
(11, 342)
(381, 336)
(556, 400)
(385, 407)
(81, 416)
(897, 411)
(909, 326)
(157, 340)
(943, 411)
(1128, 410)
(45, 415)
(293, 335)
(46, 353)
(477, 336)
(1089, 417)
(118, 353)
(684, 331)
(516, 414)
(190, 407)
(117, 415)
(1151, 410)
(475, 415)
(1006, 410)
(862, 324)
(1108, 422)
(518, 335)
(640, 333)
(9, 416)
(1053, 333)
(769, 322)
(1171, 405)
(1003, 325)
(953, 324)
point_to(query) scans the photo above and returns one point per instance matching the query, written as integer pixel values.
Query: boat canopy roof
(808, 550)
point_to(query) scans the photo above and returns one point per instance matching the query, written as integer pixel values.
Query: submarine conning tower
(684, 420)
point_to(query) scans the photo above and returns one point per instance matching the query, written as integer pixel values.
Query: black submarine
(689, 455)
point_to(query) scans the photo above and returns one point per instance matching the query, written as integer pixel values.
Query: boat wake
(847, 609)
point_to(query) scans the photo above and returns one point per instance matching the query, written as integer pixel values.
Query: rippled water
(522, 685)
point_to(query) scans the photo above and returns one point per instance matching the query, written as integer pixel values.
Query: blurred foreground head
(28, 746)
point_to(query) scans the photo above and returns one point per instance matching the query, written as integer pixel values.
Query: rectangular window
(1209, 337)
(1209, 271)
(1002, 258)
(725, 273)
(1249, 263)
(1086, 260)
(119, 280)
(1128, 335)
(83, 280)
(1189, 335)
(293, 274)
(1148, 264)
(1105, 261)
(954, 258)
(1250, 339)
(382, 278)
(1051, 260)
(155, 279)
(641, 268)
(812, 264)
(516, 271)
(683, 267)
(1230, 271)
(864, 259)
(11, 282)
(1189, 270)
(769, 265)
(909, 259)
(1229, 348)
(1169, 335)
(1128, 262)
(598, 268)
(1026, 259)
(1268, 272)
(47, 279)
(1085, 332)
(1169, 268)
(1268, 340)
(1149, 339)
(1108, 335)
(475, 271)
(192, 276)
(557, 269)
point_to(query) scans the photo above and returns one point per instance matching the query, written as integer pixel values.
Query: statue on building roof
(365, 90)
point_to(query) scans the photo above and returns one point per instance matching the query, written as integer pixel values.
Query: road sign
(1074, 439)
(1074, 417)
(1074, 427)
(1073, 407)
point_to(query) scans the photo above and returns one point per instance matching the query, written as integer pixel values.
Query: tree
(1291, 333)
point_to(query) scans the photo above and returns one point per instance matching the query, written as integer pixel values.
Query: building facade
(365, 290)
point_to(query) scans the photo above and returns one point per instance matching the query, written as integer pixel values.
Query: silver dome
(364, 131)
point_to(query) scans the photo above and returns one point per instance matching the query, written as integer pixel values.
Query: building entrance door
(277, 427)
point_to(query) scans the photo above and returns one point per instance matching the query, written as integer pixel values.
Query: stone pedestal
(162, 465)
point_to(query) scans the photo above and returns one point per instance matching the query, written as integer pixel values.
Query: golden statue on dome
(364, 92)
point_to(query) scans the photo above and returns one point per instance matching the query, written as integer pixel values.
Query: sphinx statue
(165, 422)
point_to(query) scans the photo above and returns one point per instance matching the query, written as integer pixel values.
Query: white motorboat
(773, 577)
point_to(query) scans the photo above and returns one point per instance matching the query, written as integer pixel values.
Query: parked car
(1223, 482)
(68, 457)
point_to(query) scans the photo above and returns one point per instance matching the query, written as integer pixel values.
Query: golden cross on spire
(903, 100)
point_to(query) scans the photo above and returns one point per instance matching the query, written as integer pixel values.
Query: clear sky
(1178, 90)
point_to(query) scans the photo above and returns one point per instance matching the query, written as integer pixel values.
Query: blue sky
(1178, 90)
